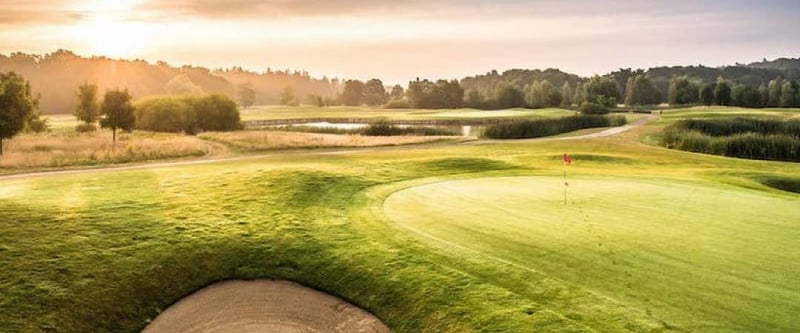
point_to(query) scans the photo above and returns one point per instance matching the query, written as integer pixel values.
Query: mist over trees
(56, 76)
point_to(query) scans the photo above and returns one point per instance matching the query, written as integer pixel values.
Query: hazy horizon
(400, 41)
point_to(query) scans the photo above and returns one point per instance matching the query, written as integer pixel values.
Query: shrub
(589, 108)
(85, 128)
(397, 104)
(379, 128)
(752, 138)
(188, 114)
(546, 127)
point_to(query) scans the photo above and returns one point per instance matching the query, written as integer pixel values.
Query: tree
(707, 94)
(722, 92)
(374, 92)
(353, 93)
(397, 92)
(117, 112)
(764, 92)
(535, 96)
(509, 97)
(16, 105)
(775, 87)
(788, 92)
(580, 94)
(247, 94)
(475, 99)
(746, 96)
(629, 91)
(287, 96)
(643, 92)
(683, 90)
(566, 93)
(602, 90)
(87, 108)
(314, 99)
(182, 85)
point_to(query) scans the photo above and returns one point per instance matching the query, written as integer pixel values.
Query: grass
(271, 112)
(274, 140)
(679, 250)
(68, 148)
(106, 251)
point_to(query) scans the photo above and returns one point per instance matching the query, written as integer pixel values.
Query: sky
(398, 40)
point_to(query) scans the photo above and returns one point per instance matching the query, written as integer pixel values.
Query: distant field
(300, 112)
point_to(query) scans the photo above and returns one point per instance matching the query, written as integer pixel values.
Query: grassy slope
(103, 252)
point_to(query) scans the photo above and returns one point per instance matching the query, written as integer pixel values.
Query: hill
(55, 76)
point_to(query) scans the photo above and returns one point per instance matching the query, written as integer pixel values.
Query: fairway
(703, 256)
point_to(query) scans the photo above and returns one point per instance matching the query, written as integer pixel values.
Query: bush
(397, 104)
(85, 128)
(386, 128)
(763, 139)
(547, 127)
(188, 114)
(589, 108)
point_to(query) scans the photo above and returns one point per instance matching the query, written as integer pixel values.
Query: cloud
(36, 13)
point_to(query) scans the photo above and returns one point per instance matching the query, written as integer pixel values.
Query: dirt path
(319, 152)
(263, 306)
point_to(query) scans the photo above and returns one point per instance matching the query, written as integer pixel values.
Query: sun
(107, 29)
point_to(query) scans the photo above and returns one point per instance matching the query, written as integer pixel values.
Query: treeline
(551, 126)
(55, 76)
(764, 139)
(779, 92)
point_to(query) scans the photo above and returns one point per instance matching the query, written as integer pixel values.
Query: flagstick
(565, 183)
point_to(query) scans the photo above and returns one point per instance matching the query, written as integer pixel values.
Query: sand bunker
(263, 307)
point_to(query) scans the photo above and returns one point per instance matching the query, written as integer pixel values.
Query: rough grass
(272, 140)
(68, 148)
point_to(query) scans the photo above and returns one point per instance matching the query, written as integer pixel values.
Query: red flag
(567, 160)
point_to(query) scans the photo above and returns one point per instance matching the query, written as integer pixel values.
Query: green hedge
(546, 127)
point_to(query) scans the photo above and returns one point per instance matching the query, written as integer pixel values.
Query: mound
(263, 307)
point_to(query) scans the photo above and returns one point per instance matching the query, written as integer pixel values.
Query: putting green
(703, 256)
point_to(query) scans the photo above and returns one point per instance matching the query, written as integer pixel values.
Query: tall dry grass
(269, 140)
(68, 148)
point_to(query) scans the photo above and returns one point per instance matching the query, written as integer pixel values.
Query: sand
(260, 307)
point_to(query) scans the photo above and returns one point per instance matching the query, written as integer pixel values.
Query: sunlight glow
(108, 31)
